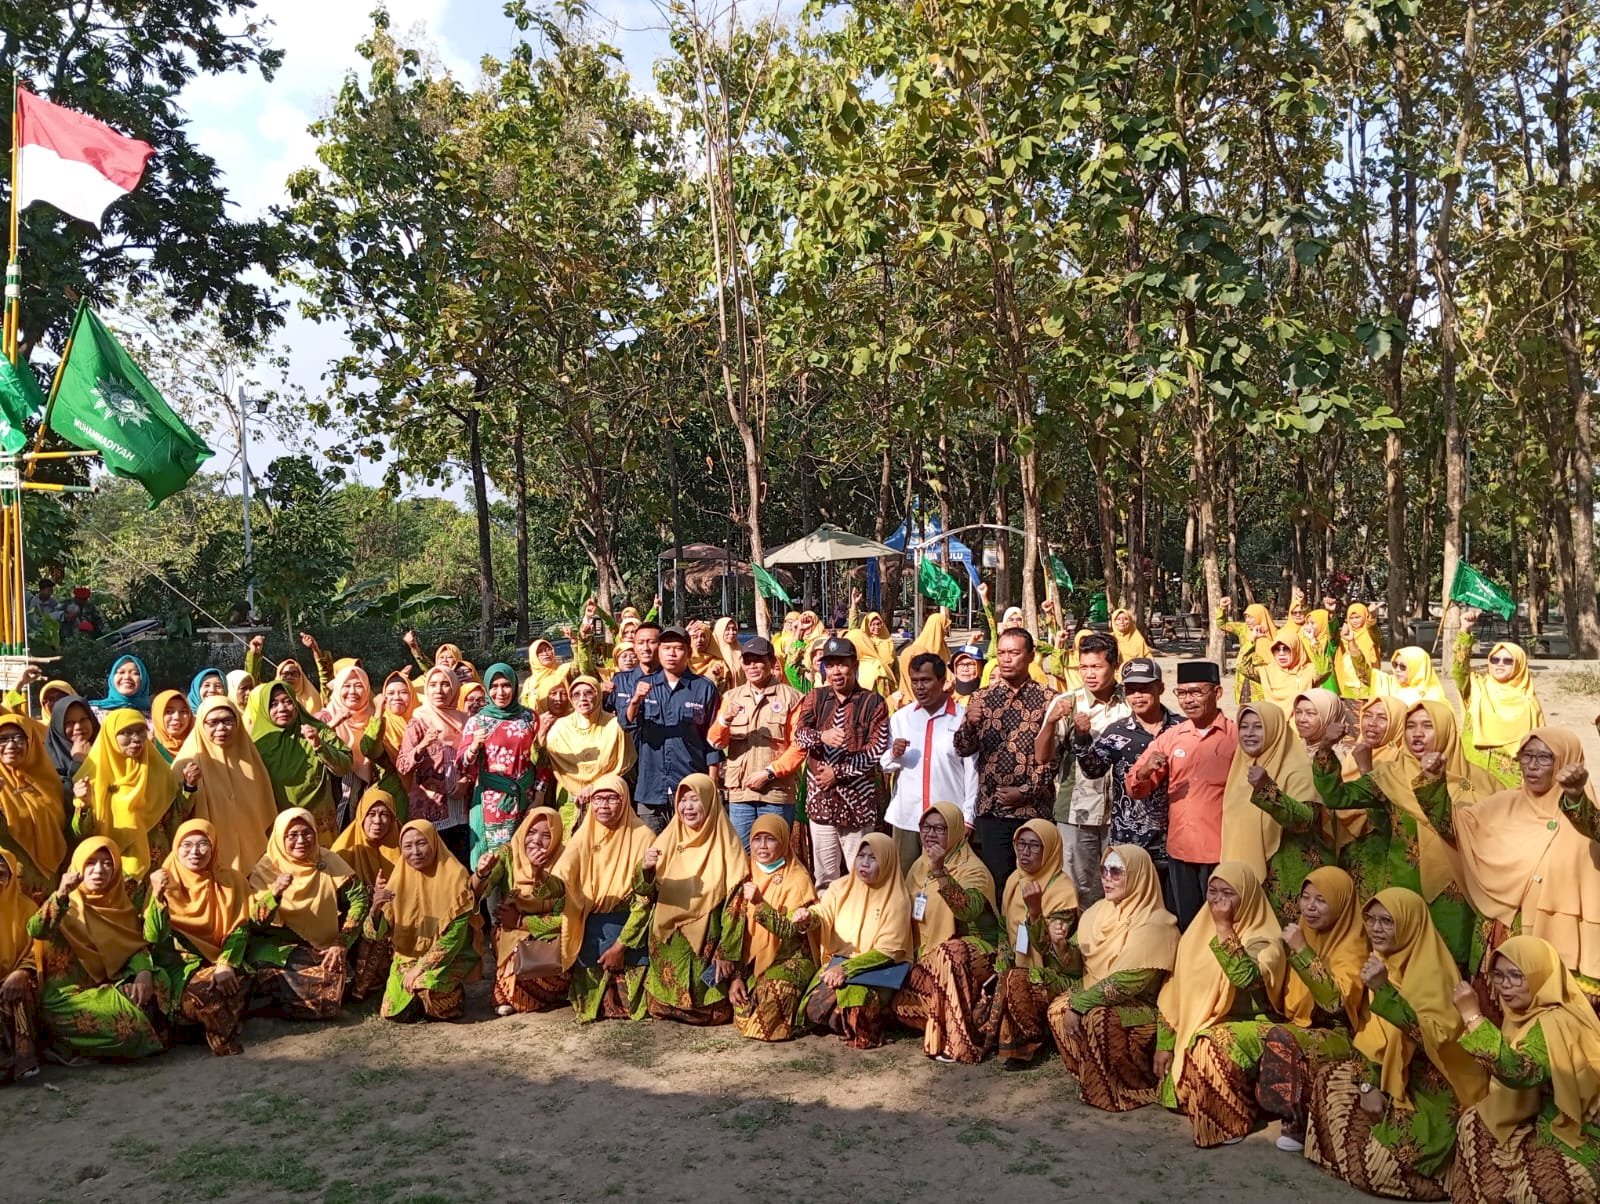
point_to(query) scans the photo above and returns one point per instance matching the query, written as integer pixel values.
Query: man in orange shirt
(755, 726)
(1193, 760)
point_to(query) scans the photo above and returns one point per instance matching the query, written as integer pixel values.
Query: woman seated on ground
(304, 756)
(233, 790)
(1036, 960)
(691, 875)
(198, 923)
(171, 721)
(864, 928)
(1226, 987)
(370, 845)
(126, 792)
(103, 995)
(19, 978)
(956, 926)
(604, 922)
(429, 912)
(1324, 1000)
(33, 827)
(1536, 1135)
(527, 979)
(301, 958)
(778, 960)
(1385, 1122)
(1106, 1029)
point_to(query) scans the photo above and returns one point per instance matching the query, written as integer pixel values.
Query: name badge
(1023, 944)
(919, 907)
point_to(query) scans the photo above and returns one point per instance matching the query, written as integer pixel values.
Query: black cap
(1204, 672)
(673, 635)
(1141, 671)
(757, 645)
(838, 648)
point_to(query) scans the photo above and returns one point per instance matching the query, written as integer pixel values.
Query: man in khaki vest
(756, 728)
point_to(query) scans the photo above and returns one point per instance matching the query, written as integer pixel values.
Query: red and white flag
(78, 164)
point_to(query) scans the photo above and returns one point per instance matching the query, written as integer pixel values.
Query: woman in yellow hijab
(1106, 1029)
(1036, 960)
(201, 912)
(544, 670)
(1289, 670)
(691, 875)
(606, 919)
(171, 721)
(302, 956)
(863, 926)
(1130, 640)
(934, 637)
(778, 961)
(1255, 637)
(32, 824)
(1411, 678)
(1359, 654)
(1536, 1135)
(19, 978)
(1385, 1122)
(955, 921)
(1224, 996)
(103, 995)
(370, 845)
(130, 791)
(428, 911)
(584, 746)
(234, 790)
(521, 873)
(1259, 826)
(1499, 706)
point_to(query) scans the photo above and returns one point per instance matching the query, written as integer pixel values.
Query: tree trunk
(480, 501)
(1032, 522)
(1002, 543)
(1105, 498)
(519, 464)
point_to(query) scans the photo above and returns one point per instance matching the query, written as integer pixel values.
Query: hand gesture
(834, 737)
(1345, 634)
(655, 603)
(611, 960)
(738, 993)
(834, 976)
(70, 881)
(80, 793)
(412, 978)
(1227, 605)
(1333, 732)
(1294, 938)
(652, 859)
(1080, 723)
(191, 774)
(1161, 1063)
(1432, 764)
(898, 748)
(409, 639)
(225, 977)
(855, 597)
(1572, 779)
(159, 881)
(30, 675)
(506, 917)
(566, 630)
(258, 644)
(821, 776)
(983, 592)
(640, 689)
(1470, 617)
(1058, 932)
(722, 970)
(1258, 777)
(1374, 973)
(280, 884)
(1154, 765)
(1223, 908)
(333, 960)
(1033, 896)
(801, 919)
(486, 863)
(1047, 606)
(752, 894)
(309, 640)
(142, 990)
(1071, 1022)
(1466, 1001)
(312, 733)
(590, 608)
(382, 896)
(934, 852)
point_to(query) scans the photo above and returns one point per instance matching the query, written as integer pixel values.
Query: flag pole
(13, 260)
(35, 455)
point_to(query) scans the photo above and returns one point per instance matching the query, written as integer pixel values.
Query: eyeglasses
(1506, 978)
(1193, 691)
(13, 736)
(1502, 660)
(1534, 760)
(1112, 871)
(1380, 922)
(1033, 846)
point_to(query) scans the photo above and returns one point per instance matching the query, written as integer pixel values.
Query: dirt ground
(535, 1108)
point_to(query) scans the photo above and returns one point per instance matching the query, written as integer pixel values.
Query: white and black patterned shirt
(1140, 821)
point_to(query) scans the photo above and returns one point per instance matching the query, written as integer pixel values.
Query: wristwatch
(1364, 1088)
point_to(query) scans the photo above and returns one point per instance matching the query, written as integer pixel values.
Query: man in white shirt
(1083, 804)
(922, 755)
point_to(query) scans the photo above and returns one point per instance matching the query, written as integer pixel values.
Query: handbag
(534, 958)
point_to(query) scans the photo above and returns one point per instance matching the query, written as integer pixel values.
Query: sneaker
(1289, 1145)
(505, 1009)
(1233, 1141)
(943, 1058)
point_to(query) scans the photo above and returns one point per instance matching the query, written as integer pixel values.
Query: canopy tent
(926, 529)
(829, 543)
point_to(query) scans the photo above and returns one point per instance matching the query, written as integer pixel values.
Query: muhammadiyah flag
(769, 586)
(1474, 589)
(106, 404)
(20, 400)
(937, 584)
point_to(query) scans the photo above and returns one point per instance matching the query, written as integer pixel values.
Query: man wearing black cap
(756, 727)
(670, 713)
(1192, 759)
(844, 730)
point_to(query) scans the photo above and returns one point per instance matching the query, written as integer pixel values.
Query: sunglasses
(1112, 871)
(1502, 660)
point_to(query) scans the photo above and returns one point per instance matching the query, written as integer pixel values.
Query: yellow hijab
(1133, 643)
(1280, 684)
(1344, 668)
(1392, 746)
(1521, 854)
(1422, 683)
(1249, 834)
(1059, 893)
(540, 679)
(1503, 712)
(235, 790)
(1342, 949)
(305, 693)
(1136, 932)
(130, 797)
(699, 867)
(580, 750)
(786, 887)
(369, 859)
(428, 901)
(966, 868)
(158, 721)
(597, 867)
(1423, 971)
(103, 930)
(1258, 621)
(882, 645)
(934, 637)
(16, 909)
(30, 799)
(1199, 995)
(858, 917)
(392, 728)
(204, 906)
(1395, 775)
(1571, 1037)
(310, 906)
(524, 881)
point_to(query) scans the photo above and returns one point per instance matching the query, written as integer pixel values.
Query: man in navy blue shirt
(646, 636)
(669, 713)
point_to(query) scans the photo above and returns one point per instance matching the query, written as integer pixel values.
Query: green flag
(937, 584)
(106, 404)
(20, 400)
(1059, 572)
(1471, 588)
(768, 585)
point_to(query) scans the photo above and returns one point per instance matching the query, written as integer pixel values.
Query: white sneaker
(1233, 1141)
(505, 1009)
(1289, 1145)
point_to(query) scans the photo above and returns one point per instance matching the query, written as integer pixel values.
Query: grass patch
(1580, 681)
(212, 1172)
(376, 1076)
(840, 1141)
(353, 1117)
(751, 1117)
(278, 1112)
(982, 1131)
(634, 1044)
(814, 1063)
(135, 1147)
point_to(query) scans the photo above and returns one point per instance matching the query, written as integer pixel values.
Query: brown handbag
(533, 958)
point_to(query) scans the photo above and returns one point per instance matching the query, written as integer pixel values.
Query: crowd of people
(1346, 907)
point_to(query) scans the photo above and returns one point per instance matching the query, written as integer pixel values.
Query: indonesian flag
(79, 165)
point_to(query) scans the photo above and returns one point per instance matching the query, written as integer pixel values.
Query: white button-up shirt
(929, 771)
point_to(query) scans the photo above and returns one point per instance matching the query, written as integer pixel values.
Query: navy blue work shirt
(669, 733)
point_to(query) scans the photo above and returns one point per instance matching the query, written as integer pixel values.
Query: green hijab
(516, 710)
(296, 771)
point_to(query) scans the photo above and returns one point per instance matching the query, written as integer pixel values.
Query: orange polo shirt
(1196, 774)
